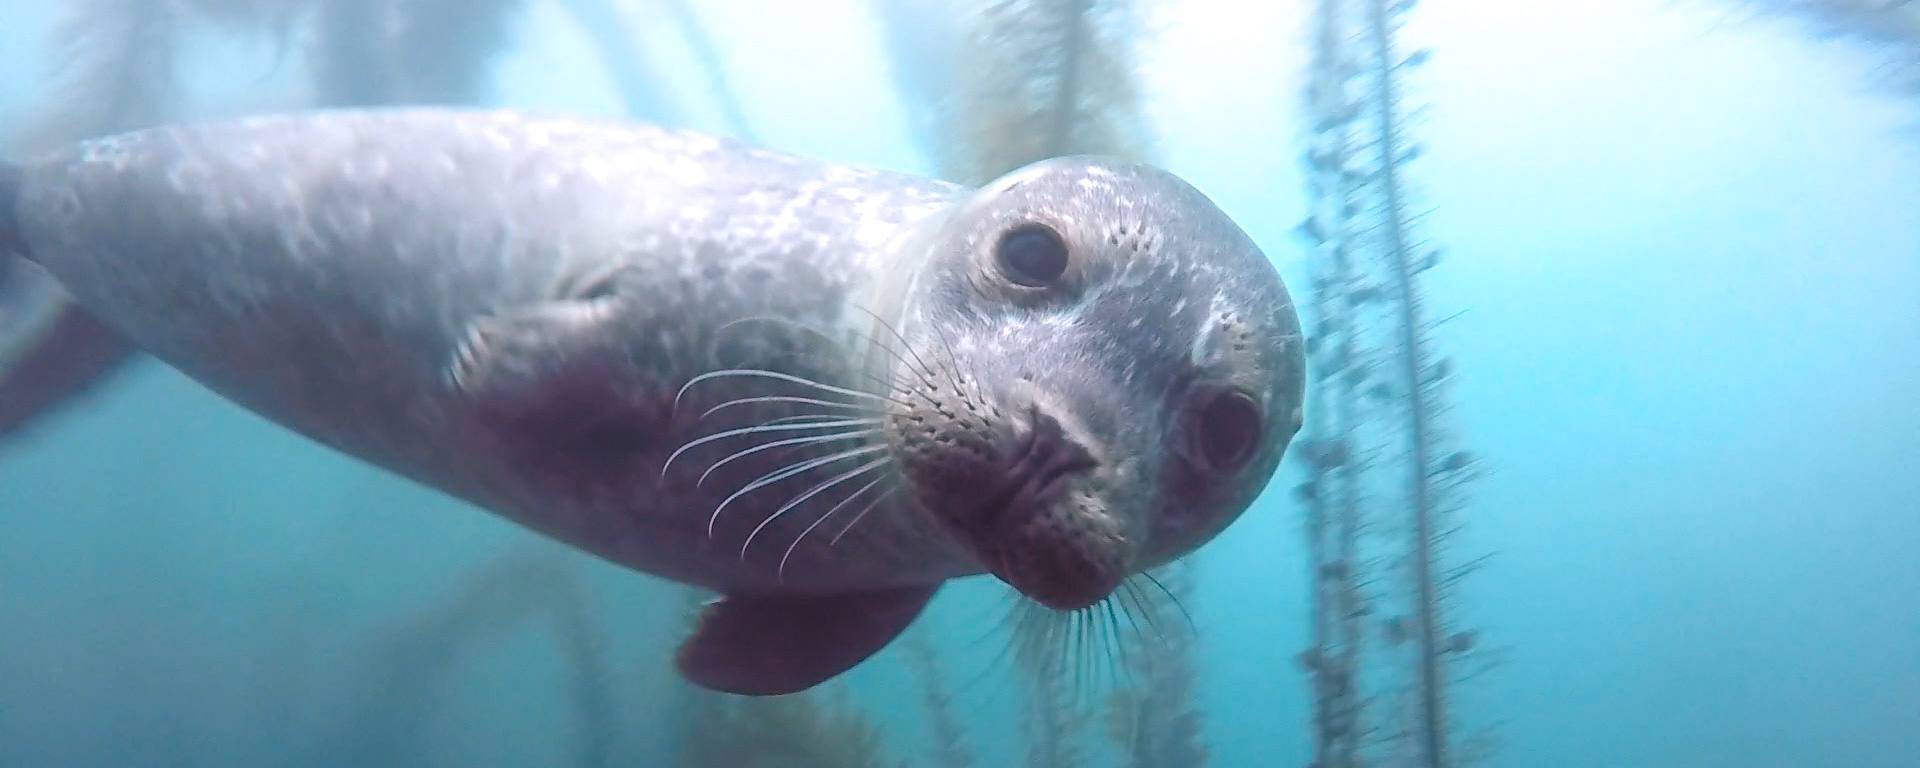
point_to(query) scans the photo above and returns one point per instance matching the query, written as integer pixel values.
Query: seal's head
(1108, 372)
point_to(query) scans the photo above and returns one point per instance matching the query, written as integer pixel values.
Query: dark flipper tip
(73, 355)
(769, 646)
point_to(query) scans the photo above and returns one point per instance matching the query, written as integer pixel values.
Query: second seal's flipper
(51, 350)
(768, 646)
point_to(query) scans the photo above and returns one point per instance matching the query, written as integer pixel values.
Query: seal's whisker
(953, 366)
(917, 364)
(1094, 648)
(1015, 621)
(816, 490)
(1090, 650)
(786, 321)
(1175, 600)
(846, 353)
(784, 473)
(883, 384)
(782, 571)
(793, 441)
(907, 345)
(831, 362)
(1131, 594)
(807, 418)
(1120, 658)
(790, 323)
(960, 390)
(1033, 631)
(1012, 607)
(953, 363)
(789, 399)
(778, 376)
(761, 429)
(1075, 653)
(863, 514)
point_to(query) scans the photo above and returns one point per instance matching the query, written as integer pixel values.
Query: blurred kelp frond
(399, 52)
(1129, 657)
(707, 55)
(1005, 83)
(1153, 719)
(115, 71)
(408, 666)
(1893, 26)
(641, 88)
(792, 731)
(950, 745)
(1052, 723)
(1339, 421)
(1387, 480)
(377, 52)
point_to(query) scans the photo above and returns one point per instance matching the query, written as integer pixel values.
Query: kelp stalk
(1419, 490)
(1377, 405)
(991, 88)
(1332, 492)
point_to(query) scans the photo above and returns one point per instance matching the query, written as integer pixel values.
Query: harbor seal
(819, 390)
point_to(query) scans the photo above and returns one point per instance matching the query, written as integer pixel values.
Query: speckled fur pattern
(519, 311)
(325, 269)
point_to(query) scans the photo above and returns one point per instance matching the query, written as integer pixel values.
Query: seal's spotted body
(338, 276)
(559, 320)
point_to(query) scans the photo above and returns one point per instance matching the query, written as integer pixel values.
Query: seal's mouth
(1023, 495)
(1039, 469)
(1038, 529)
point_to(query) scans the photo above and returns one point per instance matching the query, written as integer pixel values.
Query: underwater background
(1679, 274)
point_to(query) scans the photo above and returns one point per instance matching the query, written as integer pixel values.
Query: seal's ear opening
(775, 645)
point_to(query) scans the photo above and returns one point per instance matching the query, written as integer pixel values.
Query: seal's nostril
(1046, 452)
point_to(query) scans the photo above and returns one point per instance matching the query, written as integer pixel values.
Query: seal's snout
(1062, 547)
(1025, 491)
(1037, 470)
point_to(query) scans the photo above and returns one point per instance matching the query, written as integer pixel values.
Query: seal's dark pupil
(1230, 427)
(1033, 256)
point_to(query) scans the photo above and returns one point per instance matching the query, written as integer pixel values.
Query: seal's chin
(1061, 557)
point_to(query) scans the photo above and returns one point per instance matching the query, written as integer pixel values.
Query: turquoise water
(1688, 247)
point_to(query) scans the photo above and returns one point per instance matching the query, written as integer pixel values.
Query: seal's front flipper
(506, 357)
(51, 350)
(512, 352)
(767, 646)
(54, 362)
(559, 381)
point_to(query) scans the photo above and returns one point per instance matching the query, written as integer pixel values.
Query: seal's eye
(1229, 426)
(1032, 255)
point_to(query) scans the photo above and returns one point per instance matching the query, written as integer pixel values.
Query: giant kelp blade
(995, 85)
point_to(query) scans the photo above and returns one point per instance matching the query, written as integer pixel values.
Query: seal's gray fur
(325, 270)
(535, 314)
